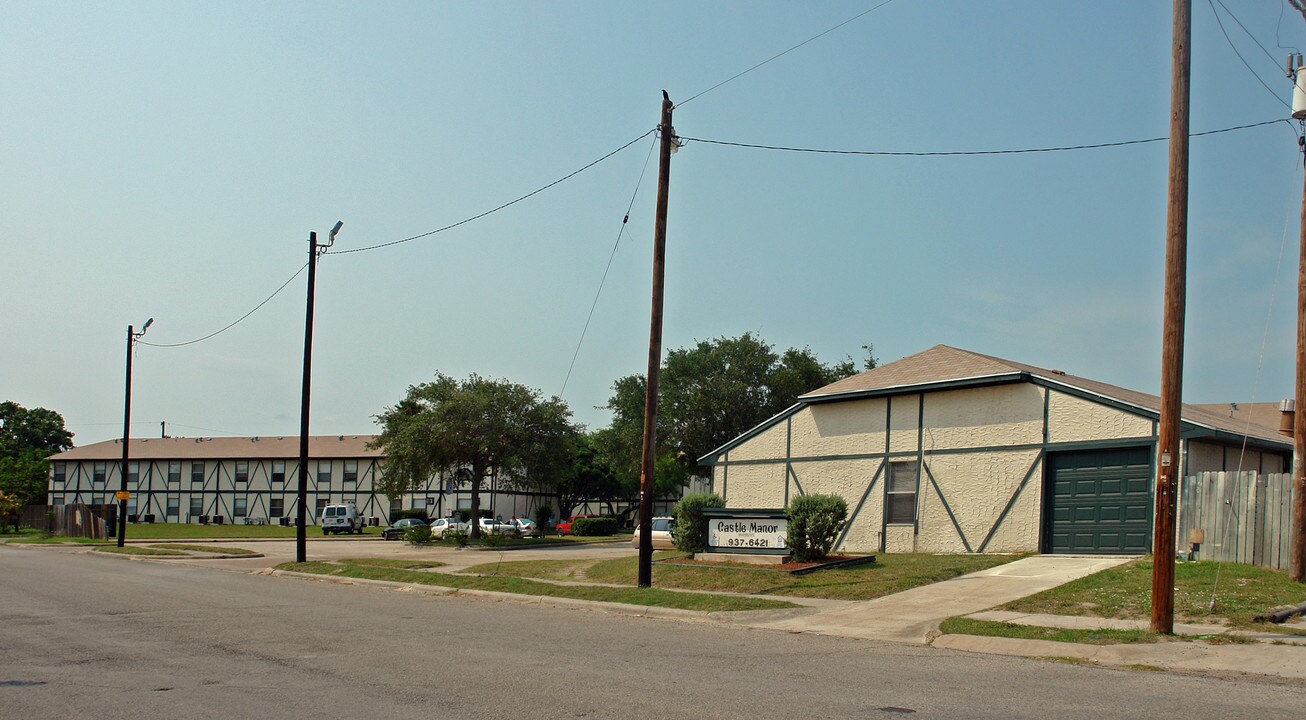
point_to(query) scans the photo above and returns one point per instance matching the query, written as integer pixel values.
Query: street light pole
(301, 524)
(126, 434)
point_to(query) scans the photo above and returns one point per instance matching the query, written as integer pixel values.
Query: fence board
(1245, 516)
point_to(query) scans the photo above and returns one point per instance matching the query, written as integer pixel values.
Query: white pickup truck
(341, 519)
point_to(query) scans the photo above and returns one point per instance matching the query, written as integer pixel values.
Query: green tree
(10, 511)
(708, 394)
(27, 439)
(481, 425)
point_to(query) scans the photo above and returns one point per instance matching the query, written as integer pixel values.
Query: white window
(324, 473)
(197, 473)
(241, 507)
(242, 471)
(174, 473)
(900, 502)
(60, 472)
(279, 471)
(351, 471)
(97, 472)
(174, 506)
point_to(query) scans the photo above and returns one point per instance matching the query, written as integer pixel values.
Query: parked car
(341, 519)
(497, 527)
(564, 527)
(661, 534)
(526, 528)
(397, 528)
(443, 525)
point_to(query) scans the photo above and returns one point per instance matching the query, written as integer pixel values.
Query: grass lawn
(137, 550)
(218, 549)
(649, 597)
(36, 537)
(1125, 592)
(966, 626)
(396, 563)
(888, 574)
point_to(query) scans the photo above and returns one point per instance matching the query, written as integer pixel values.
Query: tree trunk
(477, 473)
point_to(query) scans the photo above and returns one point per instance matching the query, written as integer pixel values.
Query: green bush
(415, 513)
(542, 515)
(459, 537)
(417, 535)
(595, 526)
(690, 529)
(815, 522)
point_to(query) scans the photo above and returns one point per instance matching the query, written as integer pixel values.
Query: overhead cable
(625, 219)
(944, 153)
(464, 221)
(1240, 55)
(234, 322)
(786, 52)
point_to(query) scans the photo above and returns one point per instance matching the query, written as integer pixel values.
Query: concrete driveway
(913, 616)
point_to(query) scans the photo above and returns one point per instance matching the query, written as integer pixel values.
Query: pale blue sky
(168, 160)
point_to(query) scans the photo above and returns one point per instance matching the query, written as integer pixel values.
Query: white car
(497, 527)
(526, 528)
(441, 526)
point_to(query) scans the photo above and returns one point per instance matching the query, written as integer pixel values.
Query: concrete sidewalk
(913, 616)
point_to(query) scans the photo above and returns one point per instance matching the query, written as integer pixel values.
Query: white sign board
(747, 533)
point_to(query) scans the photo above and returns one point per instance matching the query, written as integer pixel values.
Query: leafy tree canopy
(708, 394)
(27, 438)
(479, 424)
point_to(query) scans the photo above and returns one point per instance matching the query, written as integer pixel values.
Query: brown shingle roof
(222, 448)
(944, 364)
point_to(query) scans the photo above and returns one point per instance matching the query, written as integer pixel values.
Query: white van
(341, 519)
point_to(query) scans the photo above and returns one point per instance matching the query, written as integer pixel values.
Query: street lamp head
(146, 326)
(331, 239)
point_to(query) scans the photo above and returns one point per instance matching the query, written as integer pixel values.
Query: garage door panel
(1099, 501)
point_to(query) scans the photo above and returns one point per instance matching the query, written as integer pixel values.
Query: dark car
(397, 528)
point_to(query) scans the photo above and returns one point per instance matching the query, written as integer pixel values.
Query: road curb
(1281, 661)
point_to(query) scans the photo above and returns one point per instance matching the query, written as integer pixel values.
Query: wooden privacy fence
(88, 521)
(1246, 517)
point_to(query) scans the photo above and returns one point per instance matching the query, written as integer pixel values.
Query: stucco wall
(756, 486)
(1072, 419)
(899, 539)
(978, 417)
(903, 426)
(977, 486)
(839, 428)
(1205, 457)
(848, 479)
(769, 443)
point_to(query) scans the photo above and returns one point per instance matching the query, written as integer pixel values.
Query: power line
(234, 322)
(944, 153)
(604, 279)
(496, 209)
(1273, 61)
(786, 52)
(1233, 47)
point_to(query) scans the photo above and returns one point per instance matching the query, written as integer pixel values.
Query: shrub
(415, 513)
(417, 535)
(542, 515)
(690, 529)
(595, 526)
(459, 537)
(815, 522)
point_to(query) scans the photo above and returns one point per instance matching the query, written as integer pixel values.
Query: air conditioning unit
(217, 519)
(284, 521)
(131, 517)
(204, 519)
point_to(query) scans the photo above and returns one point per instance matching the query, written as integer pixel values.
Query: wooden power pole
(1297, 548)
(646, 487)
(1172, 336)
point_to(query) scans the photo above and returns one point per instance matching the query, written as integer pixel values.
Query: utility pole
(1172, 339)
(646, 486)
(301, 550)
(301, 497)
(123, 492)
(1297, 549)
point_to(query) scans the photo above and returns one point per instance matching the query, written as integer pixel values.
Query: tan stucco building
(953, 451)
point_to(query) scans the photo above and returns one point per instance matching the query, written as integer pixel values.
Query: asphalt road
(105, 637)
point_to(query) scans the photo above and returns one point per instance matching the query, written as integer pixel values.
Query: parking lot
(279, 551)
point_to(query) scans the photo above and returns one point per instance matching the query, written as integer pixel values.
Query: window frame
(196, 505)
(193, 479)
(240, 507)
(60, 472)
(174, 479)
(172, 508)
(323, 478)
(898, 473)
(349, 473)
(276, 507)
(99, 472)
(240, 473)
(278, 471)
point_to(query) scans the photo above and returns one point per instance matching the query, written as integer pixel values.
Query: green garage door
(1098, 501)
